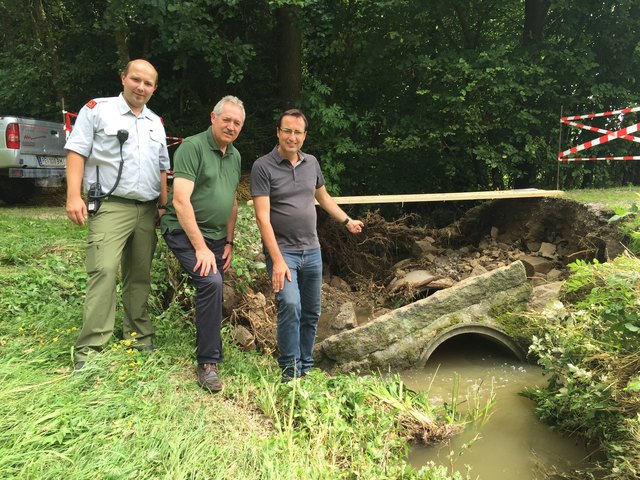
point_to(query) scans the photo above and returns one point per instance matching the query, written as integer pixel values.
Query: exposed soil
(488, 236)
(394, 262)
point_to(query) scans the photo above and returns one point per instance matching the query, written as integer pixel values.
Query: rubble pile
(397, 262)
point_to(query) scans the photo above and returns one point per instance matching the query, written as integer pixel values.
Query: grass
(614, 199)
(141, 415)
(130, 414)
(589, 347)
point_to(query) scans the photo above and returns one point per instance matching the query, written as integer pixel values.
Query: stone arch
(490, 332)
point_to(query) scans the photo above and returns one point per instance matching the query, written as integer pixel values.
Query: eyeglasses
(288, 131)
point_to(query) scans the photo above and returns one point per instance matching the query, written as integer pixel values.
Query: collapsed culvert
(542, 235)
(402, 338)
(396, 262)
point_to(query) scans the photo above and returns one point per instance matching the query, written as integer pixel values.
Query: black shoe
(286, 378)
(79, 365)
(208, 377)
(146, 348)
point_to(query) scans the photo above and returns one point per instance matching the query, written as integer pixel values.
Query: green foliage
(446, 91)
(589, 347)
(609, 293)
(172, 286)
(438, 92)
(131, 414)
(247, 248)
(630, 226)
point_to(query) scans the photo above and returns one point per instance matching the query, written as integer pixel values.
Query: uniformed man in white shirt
(118, 150)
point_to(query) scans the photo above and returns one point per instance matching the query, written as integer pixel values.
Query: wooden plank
(446, 197)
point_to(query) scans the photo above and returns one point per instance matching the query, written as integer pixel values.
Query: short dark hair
(293, 112)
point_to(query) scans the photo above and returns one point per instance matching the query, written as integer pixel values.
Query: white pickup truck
(32, 156)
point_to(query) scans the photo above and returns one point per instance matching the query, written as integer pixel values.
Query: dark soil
(487, 236)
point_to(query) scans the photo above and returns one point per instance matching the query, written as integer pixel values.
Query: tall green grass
(140, 415)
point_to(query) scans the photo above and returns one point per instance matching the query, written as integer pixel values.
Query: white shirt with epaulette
(94, 136)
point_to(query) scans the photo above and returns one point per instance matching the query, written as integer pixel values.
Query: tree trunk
(289, 56)
(535, 13)
(122, 44)
(43, 35)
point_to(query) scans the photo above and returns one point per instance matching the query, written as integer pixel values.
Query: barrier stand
(608, 135)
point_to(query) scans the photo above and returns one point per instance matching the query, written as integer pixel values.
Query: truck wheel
(17, 190)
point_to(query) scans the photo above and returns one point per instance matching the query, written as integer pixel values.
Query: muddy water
(512, 443)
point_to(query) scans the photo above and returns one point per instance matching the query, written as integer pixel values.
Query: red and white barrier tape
(174, 141)
(67, 122)
(587, 159)
(603, 114)
(608, 135)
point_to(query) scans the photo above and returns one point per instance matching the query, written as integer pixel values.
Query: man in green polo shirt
(200, 221)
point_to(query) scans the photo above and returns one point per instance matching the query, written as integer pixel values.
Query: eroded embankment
(395, 262)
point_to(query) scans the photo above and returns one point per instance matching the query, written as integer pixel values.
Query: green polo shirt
(215, 177)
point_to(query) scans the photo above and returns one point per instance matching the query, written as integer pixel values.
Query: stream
(513, 443)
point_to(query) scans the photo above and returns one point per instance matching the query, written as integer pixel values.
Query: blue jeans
(298, 310)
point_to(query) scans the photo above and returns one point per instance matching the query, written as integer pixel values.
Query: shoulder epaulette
(92, 103)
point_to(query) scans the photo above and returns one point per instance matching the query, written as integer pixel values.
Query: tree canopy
(402, 96)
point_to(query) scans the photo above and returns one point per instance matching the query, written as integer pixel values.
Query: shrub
(589, 346)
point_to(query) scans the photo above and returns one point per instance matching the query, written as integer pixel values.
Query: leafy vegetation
(131, 414)
(245, 267)
(630, 226)
(588, 345)
(464, 94)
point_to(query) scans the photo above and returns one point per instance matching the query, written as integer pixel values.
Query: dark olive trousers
(122, 235)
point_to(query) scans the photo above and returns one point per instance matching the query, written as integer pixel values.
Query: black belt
(130, 201)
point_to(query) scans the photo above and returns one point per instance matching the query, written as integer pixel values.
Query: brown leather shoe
(208, 377)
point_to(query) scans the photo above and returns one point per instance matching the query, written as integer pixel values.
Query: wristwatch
(346, 221)
(162, 207)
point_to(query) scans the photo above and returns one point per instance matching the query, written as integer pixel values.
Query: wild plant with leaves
(589, 346)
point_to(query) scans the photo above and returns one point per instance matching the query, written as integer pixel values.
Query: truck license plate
(44, 161)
